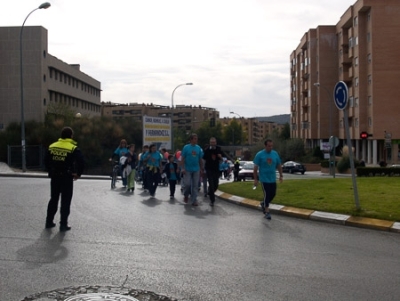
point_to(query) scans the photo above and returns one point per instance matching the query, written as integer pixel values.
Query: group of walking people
(189, 166)
(195, 164)
(65, 164)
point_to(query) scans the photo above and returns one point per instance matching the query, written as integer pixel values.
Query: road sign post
(333, 143)
(341, 95)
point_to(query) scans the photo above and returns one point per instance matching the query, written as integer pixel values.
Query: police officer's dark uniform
(65, 163)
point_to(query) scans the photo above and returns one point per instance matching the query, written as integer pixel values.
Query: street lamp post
(240, 141)
(44, 5)
(235, 114)
(172, 114)
(331, 166)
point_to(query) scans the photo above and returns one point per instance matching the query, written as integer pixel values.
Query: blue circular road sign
(341, 94)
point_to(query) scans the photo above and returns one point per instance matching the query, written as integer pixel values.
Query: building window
(369, 121)
(44, 53)
(355, 41)
(369, 17)
(356, 61)
(44, 101)
(369, 100)
(368, 37)
(356, 81)
(355, 21)
(44, 77)
(356, 102)
(369, 79)
(351, 101)
(356, 123)
(369, 58)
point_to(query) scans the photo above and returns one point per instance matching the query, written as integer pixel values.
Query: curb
(341, 219)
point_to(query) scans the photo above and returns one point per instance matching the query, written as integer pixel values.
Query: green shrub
(325, 164)
(343, 164)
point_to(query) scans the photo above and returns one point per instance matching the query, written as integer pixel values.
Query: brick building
(361, 50)
(186, 117)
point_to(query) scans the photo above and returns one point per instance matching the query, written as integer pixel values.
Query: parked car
(241, 163)
(246, 173)
(292, 167)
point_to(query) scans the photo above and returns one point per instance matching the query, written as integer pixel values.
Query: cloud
(236, 52)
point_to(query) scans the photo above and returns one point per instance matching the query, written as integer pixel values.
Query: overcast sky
(235, 52)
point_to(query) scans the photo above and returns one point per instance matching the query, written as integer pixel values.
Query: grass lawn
(379, 197)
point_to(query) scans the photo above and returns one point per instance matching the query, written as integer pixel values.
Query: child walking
(171, 170)
(131, 161)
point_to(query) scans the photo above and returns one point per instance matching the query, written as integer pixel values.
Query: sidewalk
(341, 219)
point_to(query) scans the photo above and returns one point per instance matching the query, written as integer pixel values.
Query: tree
(285, 132)
(233, 133)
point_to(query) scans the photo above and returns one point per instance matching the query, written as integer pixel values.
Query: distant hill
(279, 119)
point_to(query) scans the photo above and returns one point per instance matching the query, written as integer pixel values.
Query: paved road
(225, 253)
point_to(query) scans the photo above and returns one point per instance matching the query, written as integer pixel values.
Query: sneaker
(268, 216)
(195, 204)
(64, 228)
(50, 225)
(186, 199)
(262, 207)
(171, 197)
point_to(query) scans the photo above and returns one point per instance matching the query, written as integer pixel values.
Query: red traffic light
(363, 135)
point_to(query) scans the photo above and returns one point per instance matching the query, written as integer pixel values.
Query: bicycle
(114, 174)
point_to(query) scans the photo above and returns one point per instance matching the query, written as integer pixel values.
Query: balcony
(351, 72)
(305, 102)
(305, 86)
(350, 111)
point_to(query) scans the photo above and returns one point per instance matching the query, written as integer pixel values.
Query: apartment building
(48, 82)
(254, 130)
(186, 117)
(362, 50)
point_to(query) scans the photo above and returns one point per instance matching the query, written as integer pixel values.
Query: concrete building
(48, 82)
(361, 50)
(186, 117)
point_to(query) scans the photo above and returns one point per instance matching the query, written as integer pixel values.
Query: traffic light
(363, 135)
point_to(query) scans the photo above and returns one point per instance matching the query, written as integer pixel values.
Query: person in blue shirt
(172, 174)
(266, 162)
(152, 159)
(121, 149)
(192, 168)
(142, 167)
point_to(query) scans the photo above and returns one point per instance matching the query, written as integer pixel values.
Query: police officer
(64, 163)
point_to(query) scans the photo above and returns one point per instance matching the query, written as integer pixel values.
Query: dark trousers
(145, 179)
(235, 175)
(213, 182)
(153, 178)
(60, 185)
(269, 190)
(172, 186)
